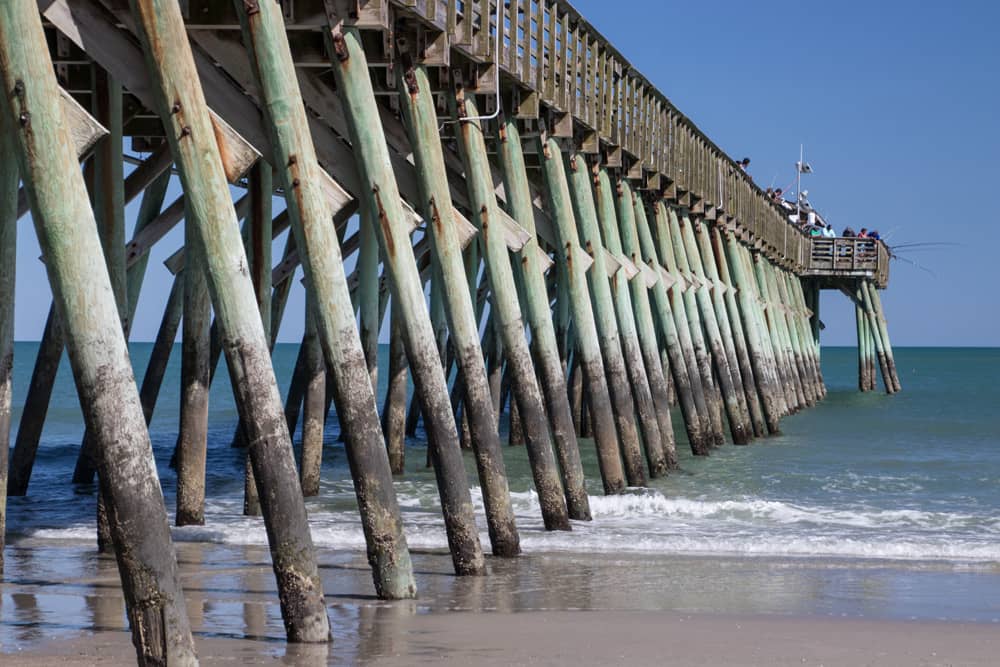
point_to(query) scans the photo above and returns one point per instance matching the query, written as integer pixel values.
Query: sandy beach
(587, 638)
(62, 605)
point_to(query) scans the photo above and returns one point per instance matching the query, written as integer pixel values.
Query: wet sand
(62, 605)
(589, 638)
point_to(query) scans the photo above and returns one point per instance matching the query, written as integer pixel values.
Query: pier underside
(550, 236)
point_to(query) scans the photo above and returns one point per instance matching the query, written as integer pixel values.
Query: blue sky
(896, 103)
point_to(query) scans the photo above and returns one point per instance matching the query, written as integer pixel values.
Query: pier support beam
(722, 350)
(789, 377)
(506, 310)
(688, 318)
(776, 309)
(381, 197)
(313, 403)
(609, 207)
(420, 118)
(185, 115)
(729, 326)
(623, 239)
(758, 347)
(573, 274)
(300, 175)
(257, 241)
(8, 262)
(192, 443)
(883, 329)
(544, 345)
(861, 322)
(394, 407)
(875, 332)
(688, 390)
(622, 400)
(84, 298)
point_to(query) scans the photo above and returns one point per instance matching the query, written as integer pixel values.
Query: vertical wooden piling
(8, 261)
(505, 308)
(722, 350)
(861, 321)
(184, 113)
(758, 347)
(300, 175)
(622, 399)
(799, 312)
(729, 324)
(257, 237)
(109, 210)
(85, 300)
(875, 332)
(789, 377)
(368, 302)
(109, 183)
(544, 344)
(625, 239)
(381, 196)
(883, 328)
(313, 403)
(608, 205)
(689, 317)
(789, 331)
(573, 275)
(688, 390)
(196, 325)
(394, 406)
(420, 117)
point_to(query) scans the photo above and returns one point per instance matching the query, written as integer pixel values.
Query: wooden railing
(558, 59)
(555, 66)
(849, 256)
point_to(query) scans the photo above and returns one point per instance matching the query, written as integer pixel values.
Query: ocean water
(912, 479)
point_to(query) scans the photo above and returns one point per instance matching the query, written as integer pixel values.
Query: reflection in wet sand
(62, 592)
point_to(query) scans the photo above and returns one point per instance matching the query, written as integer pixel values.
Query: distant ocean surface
(915, 477)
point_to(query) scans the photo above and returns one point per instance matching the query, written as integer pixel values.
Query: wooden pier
(502, 158)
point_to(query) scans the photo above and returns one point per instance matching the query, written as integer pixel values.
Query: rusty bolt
(411, 81)
(24, 118)
(340, 46)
